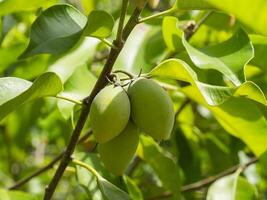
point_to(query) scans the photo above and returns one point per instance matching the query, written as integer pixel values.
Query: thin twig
(191, 30)
(101, 83)
(207, 181)
(46, 167)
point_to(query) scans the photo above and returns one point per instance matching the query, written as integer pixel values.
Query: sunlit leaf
(228, 57)
(10, 6)
(55, 31)
(99, 24)
(232, 187)
(244, 10)
(192, 5)
(133, 189)
(172, 34)
(12, 195)
(15, 92)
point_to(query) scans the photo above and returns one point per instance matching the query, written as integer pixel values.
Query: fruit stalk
(101, 83)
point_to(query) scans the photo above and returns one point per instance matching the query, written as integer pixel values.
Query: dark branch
(101, 83)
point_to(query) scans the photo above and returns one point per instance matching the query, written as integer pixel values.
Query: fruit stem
(130, 75)
(84, 165)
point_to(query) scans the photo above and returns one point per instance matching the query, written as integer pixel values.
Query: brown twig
(46, 167)
(101, 83)
(207, 181)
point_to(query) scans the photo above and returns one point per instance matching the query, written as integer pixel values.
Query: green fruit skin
(151, 108)
(109, 113)
(118, 153)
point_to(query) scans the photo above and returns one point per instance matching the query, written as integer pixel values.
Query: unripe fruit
(118, 153)
(110, 113)
(151, 108)
(153, 3)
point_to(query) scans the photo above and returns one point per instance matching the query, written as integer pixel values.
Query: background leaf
(55, 31)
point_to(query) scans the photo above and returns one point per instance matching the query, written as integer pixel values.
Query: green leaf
(10, 6)
(159, 160)
(228, 57)
(99, 24)
(191, 5)
(15, 92)
(110, 191)
(55, 31)
(133, 188)
(213, 95)
(232, 187)
(246, 12)
(12, 195)
(239, 116)
(172, 34)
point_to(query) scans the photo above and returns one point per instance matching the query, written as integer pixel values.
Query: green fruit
(110, 113)
(151, 108)
(118, 153)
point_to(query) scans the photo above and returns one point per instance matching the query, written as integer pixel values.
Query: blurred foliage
(220, 72)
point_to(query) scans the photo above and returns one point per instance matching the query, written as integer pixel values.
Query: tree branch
(207, 181)
(101, 83)
(46, 167)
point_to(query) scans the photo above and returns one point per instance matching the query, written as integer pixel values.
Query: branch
(207, 181)
(193, 28)
(46, 167)
(101, 83)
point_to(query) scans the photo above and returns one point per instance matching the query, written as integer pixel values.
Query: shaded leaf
(152, 153)
(15, 92)
(55, 31)
(99, 24)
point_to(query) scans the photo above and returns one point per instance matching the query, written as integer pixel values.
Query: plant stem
(108, 43)
(84, 165)
(121, 22)
(130, 75)
(160, 14)
(46, 167)
(207, 181)
(101, 83)
(70, 100)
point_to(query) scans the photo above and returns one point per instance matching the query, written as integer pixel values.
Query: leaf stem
(101, 83)
(108, 43)
(160, 14)
(69, 99)
(84, 165)
(122, 18)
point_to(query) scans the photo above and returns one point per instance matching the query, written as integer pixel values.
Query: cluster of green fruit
(118, 116)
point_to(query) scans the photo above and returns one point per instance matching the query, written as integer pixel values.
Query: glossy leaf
(244, 10)
(228, 57)
(172, 34)
(213, 95)
(99, 24)
(55, 31)
(232, 187)
(15, 92)
(159, 160)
